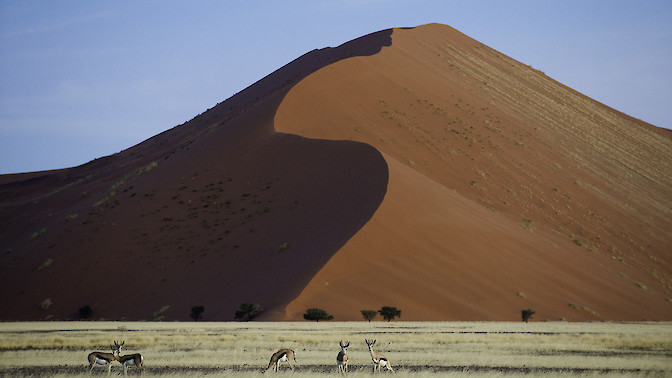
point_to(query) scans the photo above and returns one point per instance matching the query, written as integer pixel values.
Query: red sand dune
(414, 168)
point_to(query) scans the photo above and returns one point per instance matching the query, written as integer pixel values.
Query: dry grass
(415, 349)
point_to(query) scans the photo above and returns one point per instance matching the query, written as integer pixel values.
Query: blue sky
(85, 79)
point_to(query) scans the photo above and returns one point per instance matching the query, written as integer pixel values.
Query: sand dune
(507, 190)
(415, 168)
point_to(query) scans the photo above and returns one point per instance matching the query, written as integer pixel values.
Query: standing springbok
(102, 358)
(378, 359)
(342, 358)
(283, 355)
(134, 359)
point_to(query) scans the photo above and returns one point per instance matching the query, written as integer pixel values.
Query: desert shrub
(389, 313)
(160, 314)
(45, 264)
(39, 233)
(528, 224)
(369, 314)
(248, 309)
(317, 314)
(85, 311)
(45, 304)
(197, 312)
(283, 247)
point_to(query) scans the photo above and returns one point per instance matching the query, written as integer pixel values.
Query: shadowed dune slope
(507, 189)
(414, 168)
(218, 211)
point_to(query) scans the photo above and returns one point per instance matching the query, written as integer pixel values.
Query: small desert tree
(317, 314)
(389, 313)
(85, 311)
(248, 309)
(369, 314)
(197, 312)
(526, 314)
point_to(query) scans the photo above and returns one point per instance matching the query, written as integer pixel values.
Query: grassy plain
(416, 349)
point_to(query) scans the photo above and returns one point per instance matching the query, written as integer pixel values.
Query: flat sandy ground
(415, 349)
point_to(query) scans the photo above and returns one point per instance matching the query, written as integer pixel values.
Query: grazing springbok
(342, 358)
(283, 355)
(378, 359)
(102, 358)
(134, 359)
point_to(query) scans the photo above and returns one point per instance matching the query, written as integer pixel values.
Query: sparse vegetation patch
(45, 264)
(160, 314)
(283, 247)
(38, 233)
(45, 304)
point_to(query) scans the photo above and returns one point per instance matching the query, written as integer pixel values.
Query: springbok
(283, 355)
(342, 358)
(134, 359)
(102, 358)
(378, 359)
